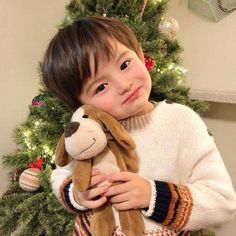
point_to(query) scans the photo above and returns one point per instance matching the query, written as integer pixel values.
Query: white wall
(25, 29)
(210, 58)
(221, 120)
(209, 48)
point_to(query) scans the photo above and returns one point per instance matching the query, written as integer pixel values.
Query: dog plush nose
(71, 128)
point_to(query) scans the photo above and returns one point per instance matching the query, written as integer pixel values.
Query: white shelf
(213, 96)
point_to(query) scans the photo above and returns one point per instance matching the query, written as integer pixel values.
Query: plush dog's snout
(71, 128)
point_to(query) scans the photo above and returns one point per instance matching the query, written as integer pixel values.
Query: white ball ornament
(29, 179)
(168, 26)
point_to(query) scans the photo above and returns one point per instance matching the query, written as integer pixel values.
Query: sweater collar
(139, 122)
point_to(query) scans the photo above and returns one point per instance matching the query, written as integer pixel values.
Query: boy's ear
(141, 54)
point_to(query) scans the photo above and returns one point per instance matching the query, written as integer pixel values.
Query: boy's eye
(124, 65)
(101, 87)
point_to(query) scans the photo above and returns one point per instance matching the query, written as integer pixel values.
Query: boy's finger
(92, 193)
(117, 189)
(96, 203)
(123, 206)
(120, 176)
(96, 180)
(95, 171)
(120, 198)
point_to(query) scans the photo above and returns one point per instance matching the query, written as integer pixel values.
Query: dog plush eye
(85, 116)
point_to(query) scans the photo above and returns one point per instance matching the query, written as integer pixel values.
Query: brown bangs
(72, 51)
(97, 47)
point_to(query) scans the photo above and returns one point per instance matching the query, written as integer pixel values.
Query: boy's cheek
(106, 104)
(142, 74)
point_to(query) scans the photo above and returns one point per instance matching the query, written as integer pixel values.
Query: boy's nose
(125, 85)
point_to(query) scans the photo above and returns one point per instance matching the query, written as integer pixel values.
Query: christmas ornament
(168, 26)
(29, 179)
(149, 62)
(37, 101)
(36, 164)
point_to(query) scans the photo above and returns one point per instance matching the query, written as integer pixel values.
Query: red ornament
(149, 62)
(36, 164)
(37, 101)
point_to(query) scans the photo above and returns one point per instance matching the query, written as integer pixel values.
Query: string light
(36, 123)
(171, 66)
(157, 1)
(47, 150)
(27, 133)
(179, 71)
(53, 158)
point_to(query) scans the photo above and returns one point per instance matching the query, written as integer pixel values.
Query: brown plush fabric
(121, 147)
(62, 157)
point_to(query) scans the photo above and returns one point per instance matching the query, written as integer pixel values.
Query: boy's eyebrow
(121, 55)
(116, 61)
(90, 85)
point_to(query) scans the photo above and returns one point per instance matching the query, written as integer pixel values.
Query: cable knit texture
(191, 188)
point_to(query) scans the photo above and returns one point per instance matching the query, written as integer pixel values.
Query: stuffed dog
(95, 139)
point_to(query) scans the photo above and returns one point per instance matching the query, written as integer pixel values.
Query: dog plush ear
(117, 130)
(62, 157)
(81, 174)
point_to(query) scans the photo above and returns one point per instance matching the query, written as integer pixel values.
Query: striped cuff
(173, 205)
(67, 198)
(149, 211)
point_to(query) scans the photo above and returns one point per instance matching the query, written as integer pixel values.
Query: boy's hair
(66, 64)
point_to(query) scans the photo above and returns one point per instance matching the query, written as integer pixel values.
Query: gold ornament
(168, 26)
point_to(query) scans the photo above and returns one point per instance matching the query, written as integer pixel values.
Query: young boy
(182, 184)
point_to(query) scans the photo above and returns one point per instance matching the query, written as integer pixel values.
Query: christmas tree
(29, 205)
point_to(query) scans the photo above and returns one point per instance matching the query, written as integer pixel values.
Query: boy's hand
(133, 192)
(86, 198)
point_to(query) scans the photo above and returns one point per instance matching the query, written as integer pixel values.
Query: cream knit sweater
(191, 188)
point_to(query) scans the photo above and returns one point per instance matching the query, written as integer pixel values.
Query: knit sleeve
(203, 199)
(62, 187)
(171, 204)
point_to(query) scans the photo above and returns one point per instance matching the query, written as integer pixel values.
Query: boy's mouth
(133, 95)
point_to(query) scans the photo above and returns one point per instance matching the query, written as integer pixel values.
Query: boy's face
(121, 87)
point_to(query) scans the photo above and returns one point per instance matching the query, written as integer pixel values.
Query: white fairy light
(27, 133)
(36, 123)
(171, 66)
(47, 150)
(157, 1)
(53, 159)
